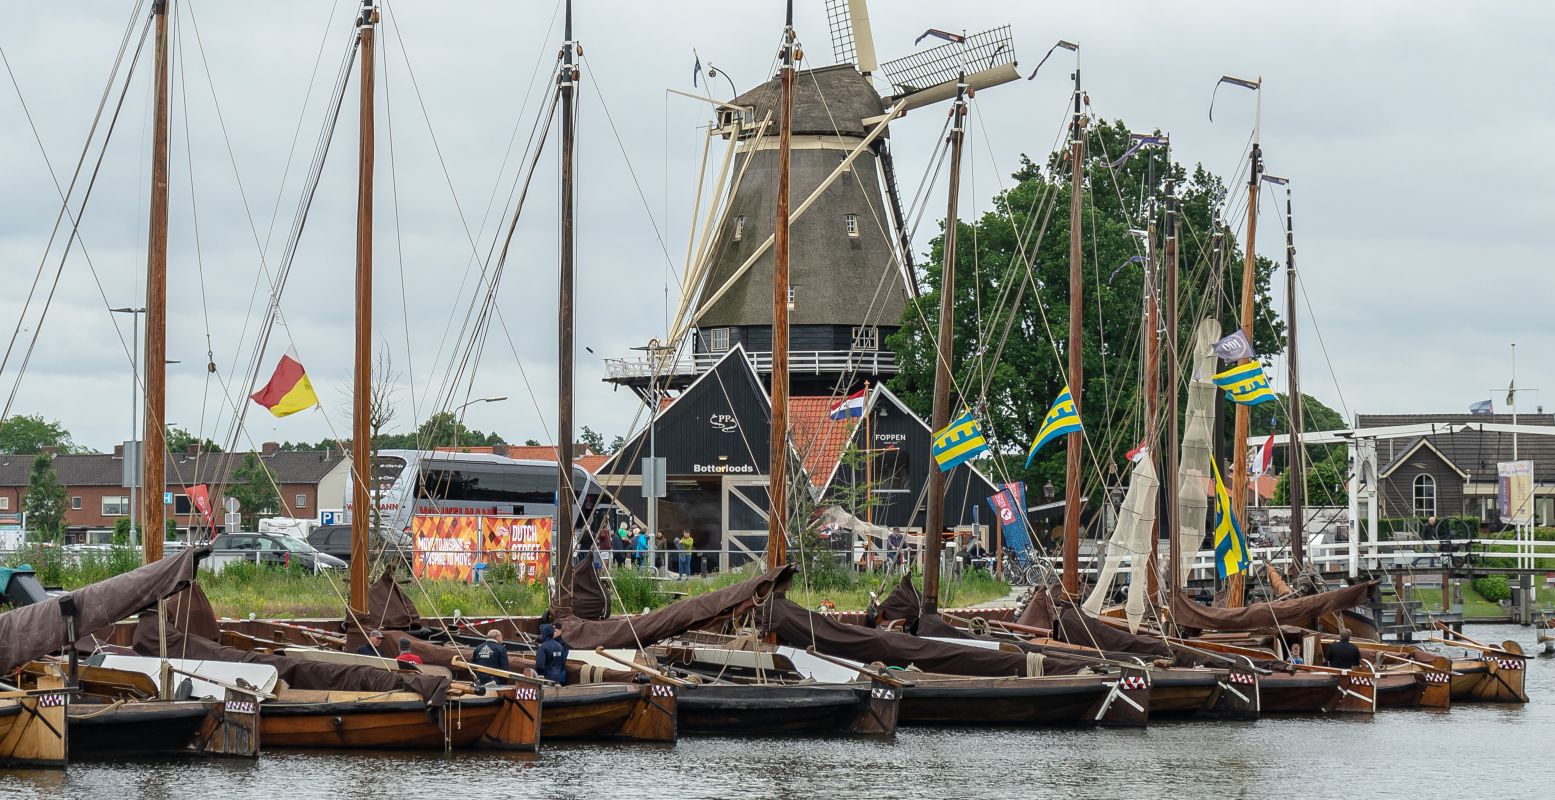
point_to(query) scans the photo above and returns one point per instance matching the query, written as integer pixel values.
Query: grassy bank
(1476, 607)
(294, 593)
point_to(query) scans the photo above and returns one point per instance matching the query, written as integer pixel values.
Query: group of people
(492, 653)
(642, 549)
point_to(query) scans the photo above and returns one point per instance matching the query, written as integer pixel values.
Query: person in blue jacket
(491, 653)
(551, 655)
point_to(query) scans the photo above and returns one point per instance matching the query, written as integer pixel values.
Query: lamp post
(134, 396)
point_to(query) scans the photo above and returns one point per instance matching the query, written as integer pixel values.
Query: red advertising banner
(448, 546)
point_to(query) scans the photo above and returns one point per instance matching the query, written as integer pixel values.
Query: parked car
(336, 541)
(269, 548)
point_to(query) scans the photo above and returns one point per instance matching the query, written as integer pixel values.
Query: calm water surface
(1473, 751)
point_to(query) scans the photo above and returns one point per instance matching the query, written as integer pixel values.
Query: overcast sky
(1416, 135)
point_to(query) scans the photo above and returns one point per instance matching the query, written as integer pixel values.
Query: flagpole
(934, 514)
(362, 466)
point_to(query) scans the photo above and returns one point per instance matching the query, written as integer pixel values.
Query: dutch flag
(851, 406)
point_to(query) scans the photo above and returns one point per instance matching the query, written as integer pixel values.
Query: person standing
(623, 544)
(661, 548)
(686, 543)
(551, 655)
(607, 544)
(1342, 654)
(640, 547)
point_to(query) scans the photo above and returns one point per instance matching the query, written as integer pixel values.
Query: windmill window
(792, 291)
(1425, 495)
(718, 339)
(852, 222)
(866, 338)
(739, 228)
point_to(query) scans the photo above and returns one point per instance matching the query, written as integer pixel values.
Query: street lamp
(497, 399)
(134, 395)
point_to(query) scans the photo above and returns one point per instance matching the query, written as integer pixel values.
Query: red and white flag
(1263, 458)
(1139, 452)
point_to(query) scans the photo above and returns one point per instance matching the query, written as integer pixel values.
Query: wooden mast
(362, 466)
(1296, 469)
(1235, 584)
(777, 492)
(1173, 380)
(566, 84)
(1076, 347)
(153, 452)
(1152, 381)
(934, 514)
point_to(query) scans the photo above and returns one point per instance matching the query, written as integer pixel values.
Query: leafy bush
(1493, 588)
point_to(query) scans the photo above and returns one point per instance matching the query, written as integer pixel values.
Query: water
(1470, 752)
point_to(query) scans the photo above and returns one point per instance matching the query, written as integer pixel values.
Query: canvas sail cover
(1301, 612)
(39, 629)
(1197, 449)
(589, 600)
(691, 613)
(1130, 541)
(904, 603)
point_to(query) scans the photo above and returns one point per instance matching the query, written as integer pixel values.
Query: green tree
(45, 503)
(178, 440)
(616, 444)
(592, 439)
(253, 486)
(1009, 357)
(122, 527)
(531, 442)
(442, 429)
(26, 434)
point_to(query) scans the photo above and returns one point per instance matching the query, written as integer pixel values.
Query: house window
(739, 228)
(302, 501)
(852, 221)
(5, 503)
(718, 339)
(866, 338)
(1425, 495)
(182, 505)
(116, 506)
(75, 504)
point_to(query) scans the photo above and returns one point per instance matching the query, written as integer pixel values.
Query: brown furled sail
(589, 600)
(688, 614)
(42, 628)
(903, 603)
(1297, 611)
(190, 610)
(387, 606)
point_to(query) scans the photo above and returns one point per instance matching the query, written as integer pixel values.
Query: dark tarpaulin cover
(1039, 612)
(1078, 628)
(298, 674)
(797, 627)
(191, 611)
(388, 607)
(589, 600)
(1298, 611)
(903, 603)
(39, 629)
(431, 652)
(691, 613)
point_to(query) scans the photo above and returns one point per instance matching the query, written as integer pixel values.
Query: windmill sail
(929, 76)
(1130, 540)
(1198, 432)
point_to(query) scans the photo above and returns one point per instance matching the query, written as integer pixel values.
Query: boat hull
(388, 725)
(1400, 689)
(604, 711)
(1003, 701)
(1490, 680)
(1301, 693)
(151, 728)
(773, 710)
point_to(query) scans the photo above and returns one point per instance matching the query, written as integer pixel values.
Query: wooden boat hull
(1055, 702)
(1400, 689)
(388, 725)
(33, 729)
(1214, 694)
(100, 730)
(1299, 693)
(630, 712)
(1490, 680)
(773, 710)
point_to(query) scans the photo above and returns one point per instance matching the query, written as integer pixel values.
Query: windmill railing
(819, 362)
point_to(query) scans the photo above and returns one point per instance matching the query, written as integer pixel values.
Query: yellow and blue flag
(1230, 546)
(1061, 419)
(1245, 384)
(960, 440)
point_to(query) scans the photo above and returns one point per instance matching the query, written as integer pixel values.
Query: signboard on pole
(129, 476)
(654, 483)
(1514, 492)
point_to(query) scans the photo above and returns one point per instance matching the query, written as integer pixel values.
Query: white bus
(411, 482)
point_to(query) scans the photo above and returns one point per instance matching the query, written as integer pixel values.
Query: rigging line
(74, 227)
(86, 148)
(599, 94)
(273, 310)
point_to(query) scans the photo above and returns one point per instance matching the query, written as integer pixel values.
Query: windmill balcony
(817, 362)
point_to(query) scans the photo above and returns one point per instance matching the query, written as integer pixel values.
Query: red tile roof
(818, 438)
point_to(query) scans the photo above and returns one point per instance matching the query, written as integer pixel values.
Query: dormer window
(851, 220)
(739, 228)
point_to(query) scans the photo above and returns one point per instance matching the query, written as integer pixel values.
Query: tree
(1009, 357)
(45, 503)
(616, 444)
(594, 440)
(531, 442)
(26, 434)
(1326, 477)
(253, 486)
(178, 440)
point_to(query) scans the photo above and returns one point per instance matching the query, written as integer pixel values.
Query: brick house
(96, 497)
(1453, 472)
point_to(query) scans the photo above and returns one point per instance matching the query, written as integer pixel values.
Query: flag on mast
(1230, 546)
(851, 406)
(1483, 407)
(1245, 385)
(957, 442)
(1263, 458)
(289, 389)
(1061, 419)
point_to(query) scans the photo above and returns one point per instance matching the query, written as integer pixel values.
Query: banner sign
(1514, 492)
(448, 546)
(1012, 522)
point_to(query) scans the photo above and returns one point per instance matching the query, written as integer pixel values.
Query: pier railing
(877, 362)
